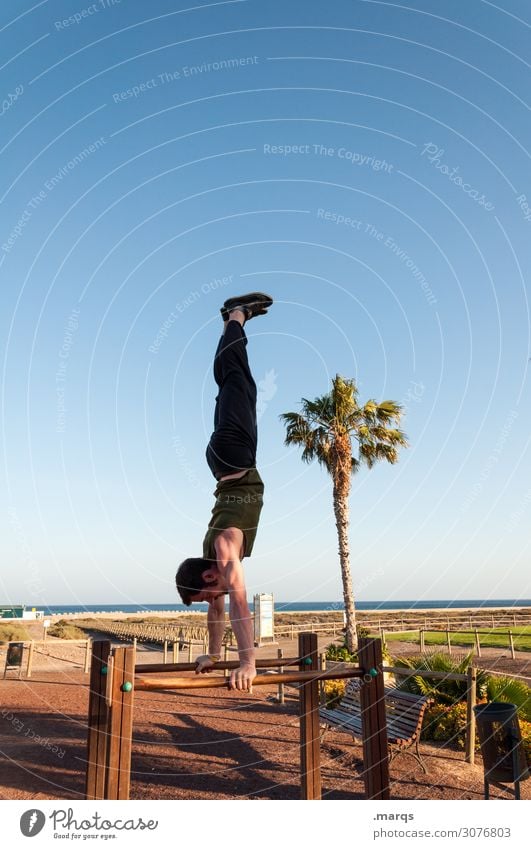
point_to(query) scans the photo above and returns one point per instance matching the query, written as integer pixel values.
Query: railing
(476, 642)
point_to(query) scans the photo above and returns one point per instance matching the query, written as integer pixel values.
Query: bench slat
(404, 714)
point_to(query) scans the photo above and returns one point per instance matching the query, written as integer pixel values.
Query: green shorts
(238, 504)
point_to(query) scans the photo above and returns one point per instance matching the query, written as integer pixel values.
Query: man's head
(198, 579)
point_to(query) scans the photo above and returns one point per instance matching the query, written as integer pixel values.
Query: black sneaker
(253, 304)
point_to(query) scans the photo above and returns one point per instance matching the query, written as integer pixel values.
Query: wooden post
(225, 658)
(374, 729)
(511, 644)
(98, 717)
(165, 651)
(421, 639)
(88, 650)
(121, 725)
(190, 651)
(176, 651)
(448, 641)
(280, 686)
(322, 685)
(30, 658)
(471, 676)
(478, 645)
(309, 720)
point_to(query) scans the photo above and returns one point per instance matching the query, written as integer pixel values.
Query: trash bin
(504, 757)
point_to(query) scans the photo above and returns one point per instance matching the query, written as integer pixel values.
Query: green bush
(445, 723)
(340, 653)
(512, 691)
(442, 690)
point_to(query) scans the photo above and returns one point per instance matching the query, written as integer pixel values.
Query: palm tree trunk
(341, 512)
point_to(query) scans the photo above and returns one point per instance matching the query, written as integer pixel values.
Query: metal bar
(207, 680)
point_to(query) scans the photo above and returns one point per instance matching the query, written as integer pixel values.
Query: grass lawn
(494, 638)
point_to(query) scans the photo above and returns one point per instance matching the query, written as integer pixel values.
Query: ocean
(288, 606)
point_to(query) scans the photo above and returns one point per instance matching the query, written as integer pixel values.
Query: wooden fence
(477, 633)
(32, 647)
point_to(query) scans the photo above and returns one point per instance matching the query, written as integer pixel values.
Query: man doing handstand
(231, 456)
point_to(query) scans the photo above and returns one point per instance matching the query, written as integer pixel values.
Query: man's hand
(243, 677)
(205, 663)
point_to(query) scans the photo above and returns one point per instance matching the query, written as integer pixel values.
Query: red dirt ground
(199, 745)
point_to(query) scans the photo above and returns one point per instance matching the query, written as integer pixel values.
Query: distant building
(18, 611)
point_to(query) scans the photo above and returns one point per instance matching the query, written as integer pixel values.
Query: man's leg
(232, 447)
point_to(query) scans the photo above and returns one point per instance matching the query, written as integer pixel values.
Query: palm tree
(325, 429)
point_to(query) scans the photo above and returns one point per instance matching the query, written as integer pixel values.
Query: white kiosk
(264, 619)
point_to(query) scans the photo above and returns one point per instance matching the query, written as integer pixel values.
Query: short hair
(189, 578)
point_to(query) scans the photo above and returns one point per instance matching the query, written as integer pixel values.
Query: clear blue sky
(364, 162)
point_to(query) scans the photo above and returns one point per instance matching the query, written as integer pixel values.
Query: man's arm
(228, 546)
(216, 629)
(216, 625)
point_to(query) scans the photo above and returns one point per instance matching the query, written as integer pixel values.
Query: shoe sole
(252, 299)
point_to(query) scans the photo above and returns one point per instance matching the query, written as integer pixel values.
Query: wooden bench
(404, 715)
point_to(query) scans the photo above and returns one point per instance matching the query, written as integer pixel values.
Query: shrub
(445, 724)
(341, 653)
(443, 691)
(510, 690)
(13, 632)
(66, 631)
(334, 692)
